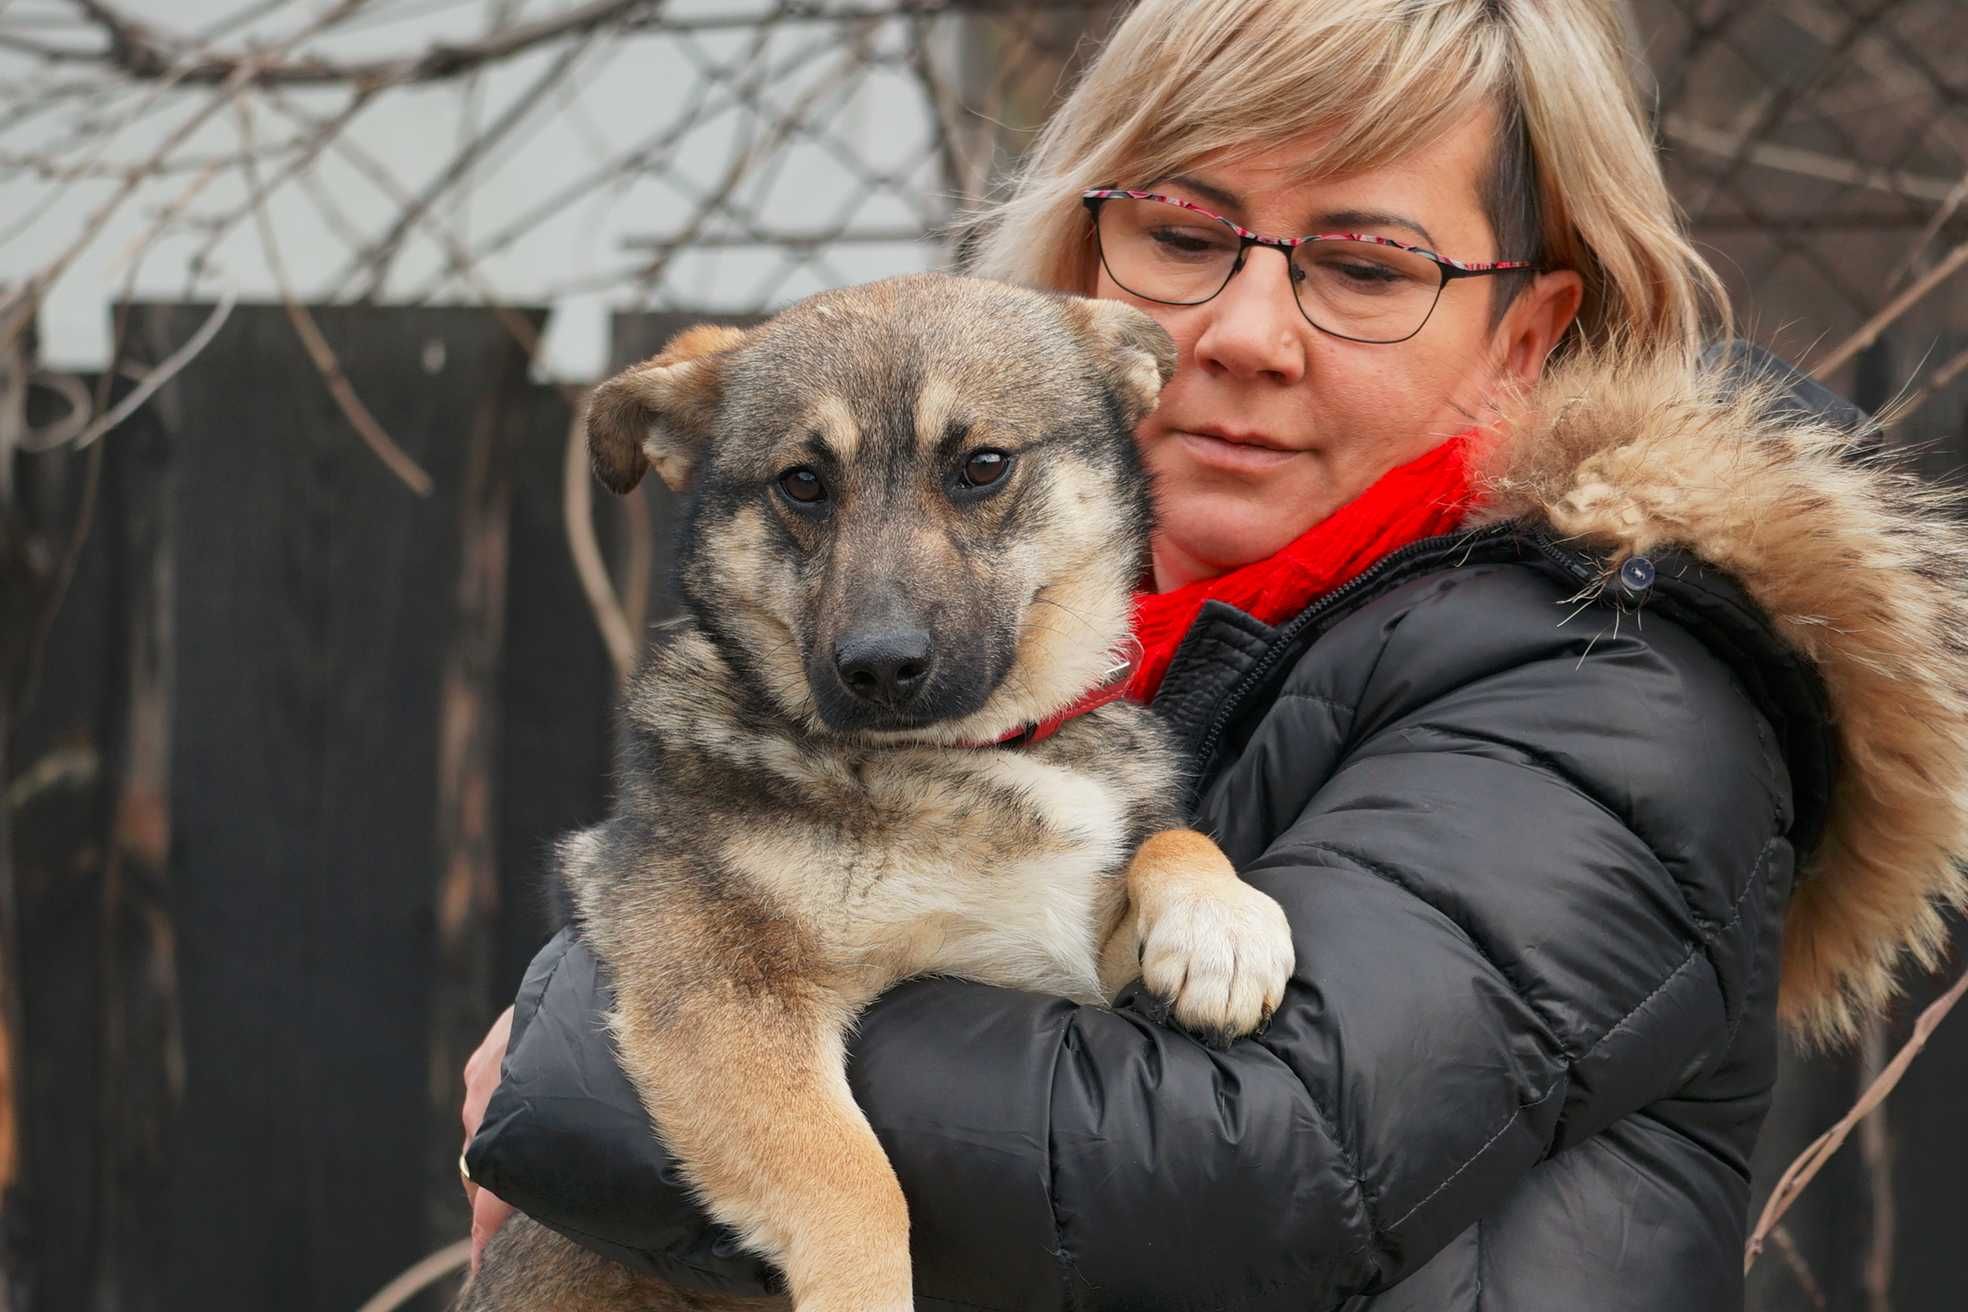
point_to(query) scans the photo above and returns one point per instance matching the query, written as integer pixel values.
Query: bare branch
(1809, 1162)
(382, 252)
(163, 372)
(419, 1276)
(1807, 1279)
(577, 512)
(372, 433)
(142, 52)
(1804, 163)
(1942, 376)
(1899, 305)
(18, 310)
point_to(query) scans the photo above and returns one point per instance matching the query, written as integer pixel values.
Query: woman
(1586, 728)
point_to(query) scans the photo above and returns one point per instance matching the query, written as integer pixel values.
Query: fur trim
(1859, 565)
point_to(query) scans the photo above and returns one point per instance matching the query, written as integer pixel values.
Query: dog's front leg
(1216, 949)
(750, 1092)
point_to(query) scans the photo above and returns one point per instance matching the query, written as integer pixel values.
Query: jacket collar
(1843, 602)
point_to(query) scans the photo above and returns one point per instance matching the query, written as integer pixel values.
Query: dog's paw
(1219, 954)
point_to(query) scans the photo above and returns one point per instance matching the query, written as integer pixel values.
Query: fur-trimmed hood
(1858, 565)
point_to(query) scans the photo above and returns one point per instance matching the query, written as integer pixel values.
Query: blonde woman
(1591, 721)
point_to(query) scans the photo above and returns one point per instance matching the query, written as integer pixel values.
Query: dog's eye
(802, 485)
(983, 468)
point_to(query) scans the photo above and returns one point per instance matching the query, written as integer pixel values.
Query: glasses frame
(1094, 197)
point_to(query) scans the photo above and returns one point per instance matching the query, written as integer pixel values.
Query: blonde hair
(1183, 79)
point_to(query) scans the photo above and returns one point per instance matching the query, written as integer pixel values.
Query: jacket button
(1636, 575)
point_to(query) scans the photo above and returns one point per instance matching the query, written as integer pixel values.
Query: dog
(884, 741)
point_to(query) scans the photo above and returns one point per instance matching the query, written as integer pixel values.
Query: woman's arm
(1524, 892)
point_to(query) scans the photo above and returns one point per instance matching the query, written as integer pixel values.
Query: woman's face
(1270, 424)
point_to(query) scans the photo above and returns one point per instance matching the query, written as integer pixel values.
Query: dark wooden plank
(141, 1067)
(40, 497)
(468, 789)
(58, 805)
(558, 696)
(96, 944)
(315, 607)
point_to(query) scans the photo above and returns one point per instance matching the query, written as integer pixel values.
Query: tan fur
(833, 419)
(1860, 566)
(939, 405)
(751, 1092)
(527, 1266)
(636, 419)
(1138, 352)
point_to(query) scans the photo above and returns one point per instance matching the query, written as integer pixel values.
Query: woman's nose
(1255, 329)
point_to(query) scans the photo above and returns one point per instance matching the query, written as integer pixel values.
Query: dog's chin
(842, 713)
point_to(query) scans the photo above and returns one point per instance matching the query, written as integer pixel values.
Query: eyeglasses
(1350, 285)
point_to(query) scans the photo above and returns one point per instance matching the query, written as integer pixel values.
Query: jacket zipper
(1578, 565)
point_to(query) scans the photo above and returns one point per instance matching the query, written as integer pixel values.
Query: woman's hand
(489, 1212)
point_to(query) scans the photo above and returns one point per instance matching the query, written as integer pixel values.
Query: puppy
(885, 741)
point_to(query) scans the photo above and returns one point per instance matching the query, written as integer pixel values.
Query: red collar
(1037, 731)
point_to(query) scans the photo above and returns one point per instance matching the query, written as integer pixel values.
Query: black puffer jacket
(1535, 799)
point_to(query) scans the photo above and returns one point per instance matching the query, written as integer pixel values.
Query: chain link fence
(1820, 149)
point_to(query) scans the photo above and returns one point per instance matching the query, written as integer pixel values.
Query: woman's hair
(1574, 181)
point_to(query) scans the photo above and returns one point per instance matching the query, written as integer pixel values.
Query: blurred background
(310, 626)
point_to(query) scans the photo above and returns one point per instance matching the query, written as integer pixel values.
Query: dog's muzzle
(888, 669)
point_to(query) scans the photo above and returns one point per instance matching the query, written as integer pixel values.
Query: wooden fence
(281, 801)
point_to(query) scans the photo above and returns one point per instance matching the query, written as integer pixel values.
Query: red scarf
(1421, 499)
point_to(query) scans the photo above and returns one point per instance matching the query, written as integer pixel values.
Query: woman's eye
(802, 485)
(983, 468)
(1368, 274)
(1179, 241)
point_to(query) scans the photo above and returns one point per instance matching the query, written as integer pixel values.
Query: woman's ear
(1536, 321)
(659, 413)
(1135, 352)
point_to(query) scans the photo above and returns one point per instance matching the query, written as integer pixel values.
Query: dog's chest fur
(997, 864)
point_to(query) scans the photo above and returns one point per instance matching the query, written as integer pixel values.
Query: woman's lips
(1236, 457)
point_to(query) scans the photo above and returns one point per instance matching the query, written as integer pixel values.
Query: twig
(18, 310)
(1943, 374)
(382, 252)
(1876, 1155)
(419, 1276)
(1805, 1168)
(326, 364)
(140, 54)
(1803, 163)
(1899, 305)
(51, 54)
(1807, 1280)
(165, 370)
(80, 409)
(577, 511)
(463, 262)
(643, 155)
(325, 131)
(1950, 206)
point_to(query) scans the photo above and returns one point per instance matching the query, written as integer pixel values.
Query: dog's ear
(659, 413)
(1137, 355)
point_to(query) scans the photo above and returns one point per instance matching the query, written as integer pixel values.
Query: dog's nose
(888, 668)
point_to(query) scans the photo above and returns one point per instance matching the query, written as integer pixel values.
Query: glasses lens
(1365, 291)
(1165, 253)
